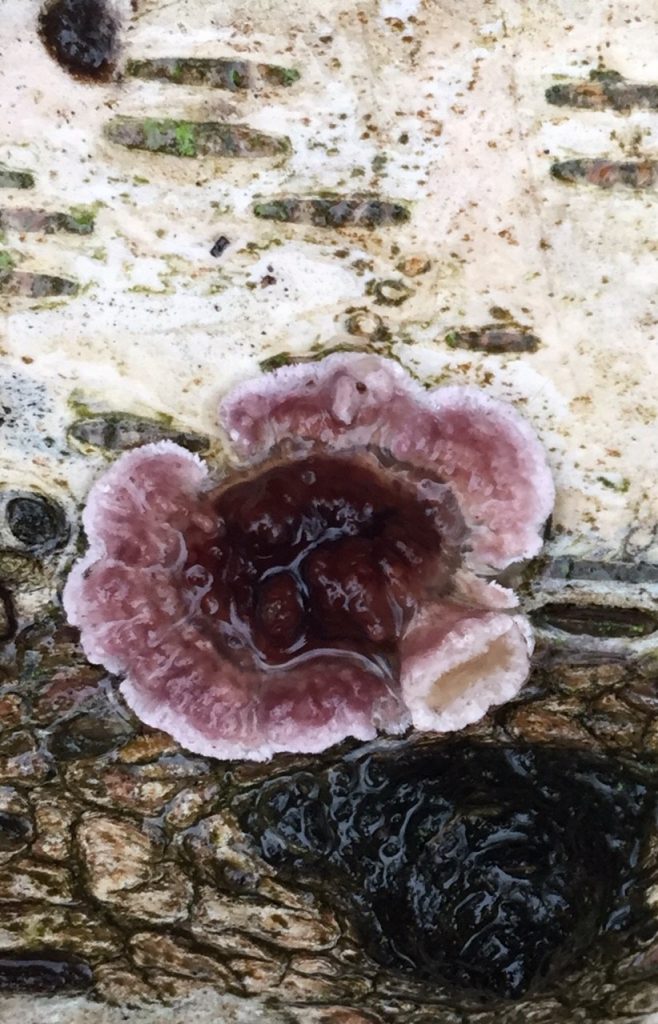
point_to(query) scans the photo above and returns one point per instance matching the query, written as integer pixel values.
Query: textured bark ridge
(150, 874)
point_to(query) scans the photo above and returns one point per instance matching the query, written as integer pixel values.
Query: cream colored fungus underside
(161, 327)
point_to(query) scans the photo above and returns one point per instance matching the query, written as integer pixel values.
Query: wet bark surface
(363, 882)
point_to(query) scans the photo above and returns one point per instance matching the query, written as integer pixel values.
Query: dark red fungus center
(322, 555)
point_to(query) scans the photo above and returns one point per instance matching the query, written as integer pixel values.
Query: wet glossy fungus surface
(81, 35)
(321, 555)
(488, 869)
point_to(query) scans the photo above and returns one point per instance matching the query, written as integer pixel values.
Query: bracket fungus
(337, 582)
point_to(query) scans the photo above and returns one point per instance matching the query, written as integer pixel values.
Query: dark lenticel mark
(333, 211)
(191, 139)
(220, 246)
(604, 90)
(213, 73)
(493, 338)
(120, 431)
(596, 620)
(42, 972)
(81, 35)
(564, 567)
(37, 522)
(635, 174)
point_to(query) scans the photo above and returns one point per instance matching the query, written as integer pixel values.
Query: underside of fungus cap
(457, 663)
(481, 447)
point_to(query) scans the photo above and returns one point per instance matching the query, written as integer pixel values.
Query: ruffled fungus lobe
(335, 583)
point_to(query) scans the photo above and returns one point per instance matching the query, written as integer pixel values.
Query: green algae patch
(12, 178)
(186, 139)
(276, 209)
(190, 139)
(79, 220)
(280, 76)
(620, 486)
(36, 286)
(275, 362)
(316, 353)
